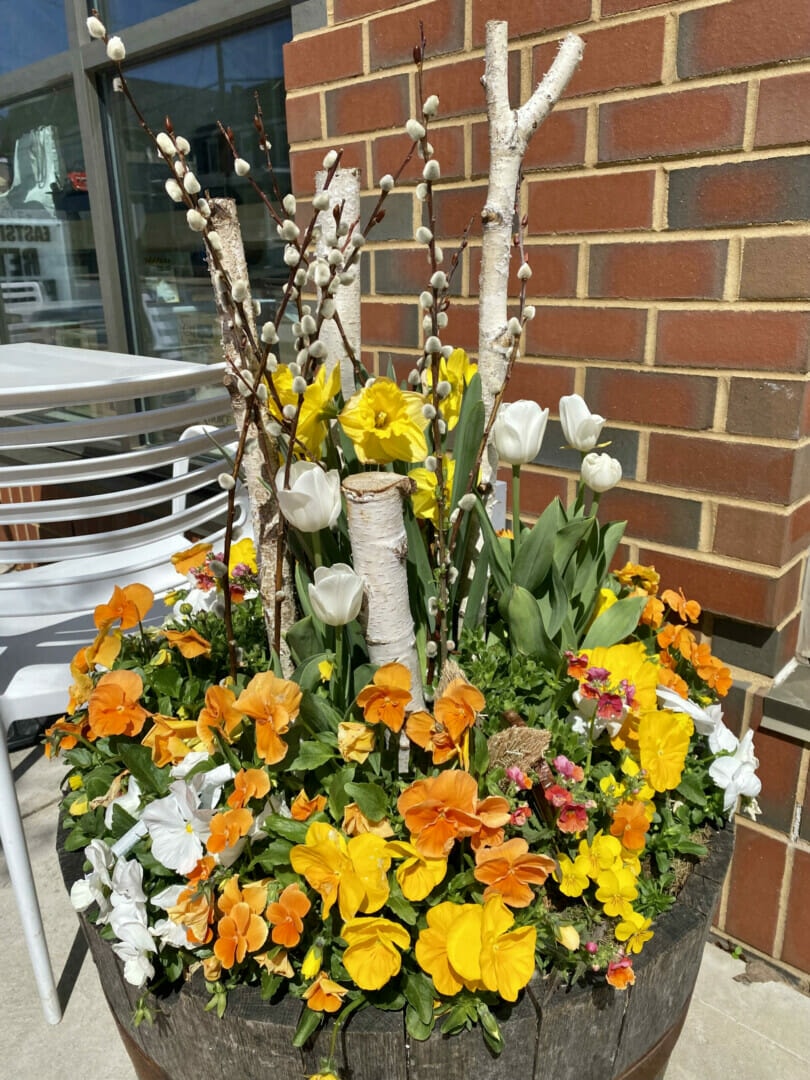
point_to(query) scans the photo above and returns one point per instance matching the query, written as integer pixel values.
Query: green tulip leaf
(615, 624)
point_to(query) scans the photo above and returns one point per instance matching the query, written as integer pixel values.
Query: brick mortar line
(660, 201)
(706, 528)
(642, 458)
(802, 781)
(669, 60)
(721, 396)
(728, 562)
(751, 115)
(733, 278)
(784, 900)
(772, 230)
(650, 339)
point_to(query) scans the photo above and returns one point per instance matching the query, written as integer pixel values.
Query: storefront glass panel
(25, 42)
(121, 13)
(49, 287)
(170, 301)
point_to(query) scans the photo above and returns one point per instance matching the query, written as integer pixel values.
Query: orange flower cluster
(445, 734)
(442, 809)
(713, 672)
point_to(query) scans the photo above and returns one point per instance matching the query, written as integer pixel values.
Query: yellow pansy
(634, 930)
(355, 740)
(431, 948)
(504, 961)
(572, 877)
(423, 499)
(417, 875)
(603, 853)
(644, 793)
(372, 956)
(617, 891)
(385, 423)
(663, 742)
(352, 872)
(243, 552)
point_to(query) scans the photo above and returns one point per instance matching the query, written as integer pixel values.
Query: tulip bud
(601, 472)
(568, 937)
(311, 502)
(581, 427)
(336, 594)
(518, 431)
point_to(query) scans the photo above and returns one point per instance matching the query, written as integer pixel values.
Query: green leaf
(611, 536)
(533, 560)
(308, 675)
(416, 1029)
(317, 713)
(289, 828)
(138, 759)
(498, 560)
(529, 636)
(691, 790)
(370, 798)
(307, 1026)
(479, 754)
(614, 625)
(490, 1028)
(403, 910)
(568, 539)
(305, 639)
(419, 993)
(476, 594)
(311, 755)
(277, 853)
(467, 438)
(166, 680)
(338, 796)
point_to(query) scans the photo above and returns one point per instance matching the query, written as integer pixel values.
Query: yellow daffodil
(317, 408)
(417, 875)
(663, 742)
(372, 956)
(634, 930)
(352, 872)
(456, 370)
(423, 499)
(616, 892)
(385, 423)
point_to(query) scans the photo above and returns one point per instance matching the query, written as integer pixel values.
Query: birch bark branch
(379, 550)
(509, 133)
(264, 509)
(344, 188)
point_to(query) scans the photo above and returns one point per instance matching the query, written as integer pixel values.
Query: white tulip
(735, 771)
(336, 594)
(312, 500)
(581, 427)
(601, 472)
(518, 431)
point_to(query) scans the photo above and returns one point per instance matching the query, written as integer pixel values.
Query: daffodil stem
(516, 505)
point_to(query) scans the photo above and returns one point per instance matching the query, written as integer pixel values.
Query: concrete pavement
(751, 1030)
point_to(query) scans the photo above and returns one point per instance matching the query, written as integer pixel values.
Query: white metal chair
(112, 453)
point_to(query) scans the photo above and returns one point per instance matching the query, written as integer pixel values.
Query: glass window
(121, 13)
(170, 301)
(24, 41)
(49, 289)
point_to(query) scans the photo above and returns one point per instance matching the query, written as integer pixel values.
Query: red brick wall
(668, 199)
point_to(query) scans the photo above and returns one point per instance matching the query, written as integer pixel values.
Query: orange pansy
(170, 739)
(196, 912)
(689, 610)
(249, 784)
(287, 915)
(424, 730)
(273, 703)
(493, 813)
(129, 604)
(440, 810)
(219, 713)
(355, 823)
(324, 995)
(630, 825)
(457, 708)
(385, 700)
(188, 642)
(113, 709)
(227, 828)
(190, 558)
(239, 933)
(302, 807)
(510, 869)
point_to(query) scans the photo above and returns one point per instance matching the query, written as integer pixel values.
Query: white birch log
(379, 550)
(509, 133)
(345, 188)
(263, 505)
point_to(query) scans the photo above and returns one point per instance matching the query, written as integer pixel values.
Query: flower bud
(427, 324)
(601, 472)
(443, 388)
(308, 325)
(439, 280)
(289, 231)
(196, 222)
(330, 160)
(241, 167)
(415, 130)
(165, 143)
(421, 192)
(529, 312)
(214, 242)
(203, 207)
(441, 320)
(386, 182)
(292, 256)
(524, 272)
(431, 106)
(95, 27)
(269, 334)
(289, 204)
(431, 463)
(514, 327)
(433, 345)
(321, 201)
(299, 385)
(358, 240)
(183, 145)
(431, 649)
(173, 190)
(426, 300)
(289, 412)
(191, 183)
(226, 481)
(423, 235)
(518, 431)
(428, 412)
(239, 291)
(116, 50)
(261, 389)
(581, 427)
(467, 502)
(431, 171)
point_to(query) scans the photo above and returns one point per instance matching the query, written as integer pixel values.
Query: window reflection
(49, 289)
(170, 300)
(122, 13)
(24, 43)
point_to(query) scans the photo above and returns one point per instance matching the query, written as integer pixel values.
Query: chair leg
(15, 851)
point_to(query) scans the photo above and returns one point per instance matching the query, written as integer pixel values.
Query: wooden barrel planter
(587, 1033)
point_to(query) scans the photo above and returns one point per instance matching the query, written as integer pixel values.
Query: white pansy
(581, 427)
(178, 828)
(134, 943)
(735, 770)
(127, 883)
(706, 720)
(601, 472)
(129, 801)
(336, 594)
(311, 501)
(518, 431)
(96, 885)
